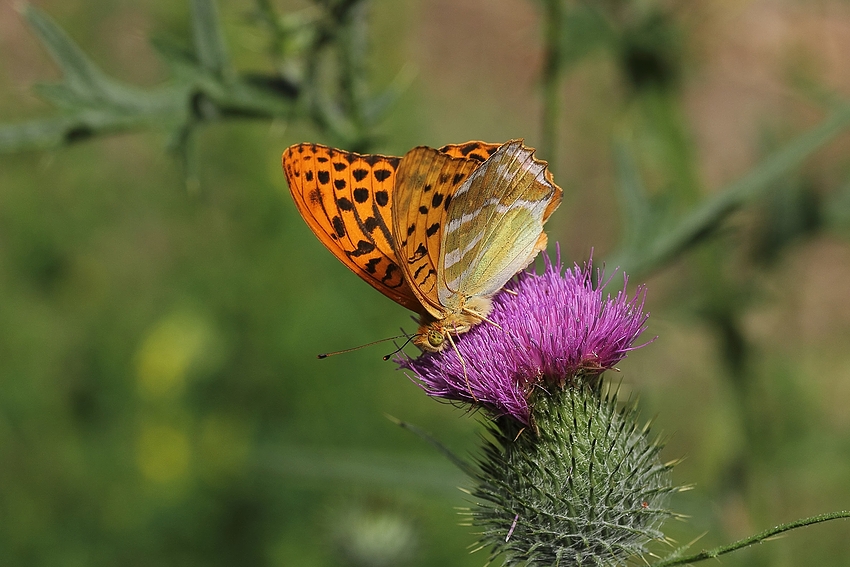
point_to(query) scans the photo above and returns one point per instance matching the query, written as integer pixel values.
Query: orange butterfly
(437, 231)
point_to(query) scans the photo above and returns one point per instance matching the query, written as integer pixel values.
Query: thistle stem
(757, 538)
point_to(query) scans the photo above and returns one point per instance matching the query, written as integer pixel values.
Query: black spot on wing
(382, 174)
(308, 175)
(338, 225)
(359, 174)
(468, 148)
(411, 229)
(423, 210)
(446, 202)
(422, 281)
(457, 178)
(382, 198)
(432, 230)
(324, 177)
(339, 184)
(363, 247)
(436, 200)
(372, 264)
(419, 253)
(385, 230)
(344, 204)
(361, 194)
(426, 188)
(339, 166)
(370, 224)
(444, 177)
(418, 271)
(321, 159)
(476, 157)
(388, 274)
(315, 197)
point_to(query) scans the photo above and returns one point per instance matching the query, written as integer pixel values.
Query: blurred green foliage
(160, 403)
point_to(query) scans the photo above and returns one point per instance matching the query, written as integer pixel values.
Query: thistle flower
(567, 476)
(557, 328)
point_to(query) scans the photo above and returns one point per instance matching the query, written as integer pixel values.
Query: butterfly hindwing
(479, 151)
(347, 199)
(495, 223)
(425, 184)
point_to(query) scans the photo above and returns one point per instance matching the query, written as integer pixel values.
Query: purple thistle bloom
(557, 327)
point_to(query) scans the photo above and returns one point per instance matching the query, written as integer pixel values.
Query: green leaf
(180, 60)
(836, 210)
(53, 132)
(707, 216)
(466, 467)
(209, 41)
(35, 135)
(82, 76)
(83, 84)
(334, 466)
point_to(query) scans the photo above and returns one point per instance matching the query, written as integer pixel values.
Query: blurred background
(162, 302)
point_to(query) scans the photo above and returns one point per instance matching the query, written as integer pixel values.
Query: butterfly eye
(435, 338)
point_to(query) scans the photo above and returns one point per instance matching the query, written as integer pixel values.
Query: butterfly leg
(481, 317)
(463, 365)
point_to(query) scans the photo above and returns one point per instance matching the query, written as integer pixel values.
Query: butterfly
(438, 231)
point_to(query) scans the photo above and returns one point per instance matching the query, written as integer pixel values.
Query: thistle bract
(584, 486)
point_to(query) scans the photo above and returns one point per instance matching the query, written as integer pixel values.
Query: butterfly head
(433, 334)
(430, 338)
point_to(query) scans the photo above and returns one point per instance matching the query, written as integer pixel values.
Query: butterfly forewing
(495, 223)
(347, 199)
(425, 183)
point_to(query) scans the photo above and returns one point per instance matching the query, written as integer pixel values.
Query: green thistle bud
(583, 486)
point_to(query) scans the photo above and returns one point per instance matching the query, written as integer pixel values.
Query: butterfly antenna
(463, 364)
(398, 350)
(327, 354)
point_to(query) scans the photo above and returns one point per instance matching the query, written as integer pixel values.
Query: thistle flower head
(551, 329)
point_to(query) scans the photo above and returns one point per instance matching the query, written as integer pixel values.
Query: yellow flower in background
(163, 452)
(175, 348)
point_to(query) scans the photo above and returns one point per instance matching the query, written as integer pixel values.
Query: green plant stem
(758, 538)
(205, 87)
(551, 79)
(96, 104)
(351, 54)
